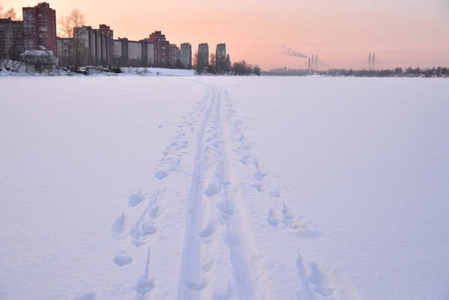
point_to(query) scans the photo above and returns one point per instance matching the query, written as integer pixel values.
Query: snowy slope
(224, 188)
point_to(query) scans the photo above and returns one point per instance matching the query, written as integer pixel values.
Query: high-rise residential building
(107, 40)
(64, 45)
(186, 55)
(121, 49)
(174, 55)
(11, 39)
(145, 52)
(161, 48)
(222, 62)
(220, 54)
(97, 45)
(203, 54)
(133, 53)
(39, 28)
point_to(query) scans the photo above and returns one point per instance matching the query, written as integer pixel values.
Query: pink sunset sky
(402, 33)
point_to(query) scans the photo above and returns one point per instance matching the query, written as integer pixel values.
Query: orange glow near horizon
(402, 34)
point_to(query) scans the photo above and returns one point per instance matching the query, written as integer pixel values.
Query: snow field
(223, 188)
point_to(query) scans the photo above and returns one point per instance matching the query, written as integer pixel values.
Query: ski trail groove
(213, 149)
(191, 280)
(249, 274)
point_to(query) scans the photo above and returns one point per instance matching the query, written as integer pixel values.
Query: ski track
(191, 279)
(218, 216)
(212, 163)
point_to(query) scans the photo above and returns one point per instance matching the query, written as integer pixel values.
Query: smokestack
(369, 62)
(316, 61)
(374, 61)
(309, 65)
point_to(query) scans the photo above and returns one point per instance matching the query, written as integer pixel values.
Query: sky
(402, 33)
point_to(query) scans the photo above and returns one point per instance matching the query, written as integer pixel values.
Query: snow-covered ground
(224, 188)
(22, 70)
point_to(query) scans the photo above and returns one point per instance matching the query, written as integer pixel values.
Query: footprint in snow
(121, 259)
(197, 286)
(275, 194)
(135, 199)
(208, 266)
(258, 186)
(154, 212)
(212, 189)
(144, 285)
(119, 227)
(300, 226)
(161, 174)
(272, 219)
(259, 175)
(89, 296)
(245, 160)
(322, 279)
(226, 211)
(137, 243)
(208, 230)
(288, 215)
(149, 228)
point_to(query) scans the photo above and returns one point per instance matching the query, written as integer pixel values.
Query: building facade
(39, 28)
(11, 39)
(64, 47)
(135, 51)
(107, 37)
(120, 49)
(174, 55)
(203, 54)
(222, 61)
(92, 46)
(220, 53)
(186, 55)
(161, 48)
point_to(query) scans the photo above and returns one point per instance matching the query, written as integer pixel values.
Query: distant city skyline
(403, 33)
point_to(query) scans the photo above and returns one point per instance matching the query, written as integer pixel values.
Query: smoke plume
(290, 52)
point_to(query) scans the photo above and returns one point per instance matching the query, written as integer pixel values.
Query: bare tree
(212, 69)
(77, 50)
(10, 13)
(199, 63)
(75, 19)
(195, 60)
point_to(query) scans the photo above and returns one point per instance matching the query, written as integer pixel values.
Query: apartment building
(39, 28)
(94, 46)
(11, 38)
(203, 54)
(186, 55)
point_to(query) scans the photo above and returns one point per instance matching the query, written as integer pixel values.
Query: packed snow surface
(224, 188)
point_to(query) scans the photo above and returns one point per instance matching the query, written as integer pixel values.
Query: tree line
(397, 72)
(222, 67)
